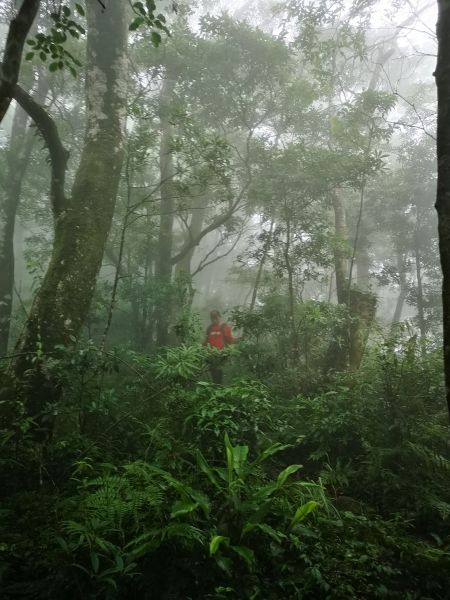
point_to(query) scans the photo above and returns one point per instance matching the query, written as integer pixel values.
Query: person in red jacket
(218, 335)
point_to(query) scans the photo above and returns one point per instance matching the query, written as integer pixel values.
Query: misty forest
(225, 299)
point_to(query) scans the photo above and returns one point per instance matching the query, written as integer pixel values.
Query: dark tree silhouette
(12, 56)
(442, 75)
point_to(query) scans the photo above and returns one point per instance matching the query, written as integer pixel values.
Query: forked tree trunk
(443, 184)
(81, 223)
(183, 268)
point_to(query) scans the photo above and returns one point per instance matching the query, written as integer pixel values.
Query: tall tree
(81, 222)
(443, 184)
(17, 159)
(163, 270)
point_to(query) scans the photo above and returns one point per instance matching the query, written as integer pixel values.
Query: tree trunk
(443, 183)
(403, 289)
(82, 222)
(18, 157)
(420, 301)
(291, 293)
(12, 56)
(362, 263)
(363, 307)
(163, 271)
(183, 268)
(340, 251)
(262, 262)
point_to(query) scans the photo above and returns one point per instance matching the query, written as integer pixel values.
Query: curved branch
(218, 222)
(12, 57)
(58, 154)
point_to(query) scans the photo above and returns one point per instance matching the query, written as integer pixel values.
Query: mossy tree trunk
(443, 185)
(81, 222)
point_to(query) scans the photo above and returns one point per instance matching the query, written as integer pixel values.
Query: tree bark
(183, 269)
(262, 262)
(362, 260)
(12, 56)
(443, 182)
(340, 252)
(291, 292)
(403, 289)
(363, 307)
(420, 301)
(81, 223)
(163, 270)
(18, 157)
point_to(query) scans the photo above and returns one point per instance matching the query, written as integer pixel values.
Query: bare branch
(215, 224)
(205, 263)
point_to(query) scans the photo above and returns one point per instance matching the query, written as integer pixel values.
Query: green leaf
(29, 56)
(79, 9)
(136, 23)
(246, 553)
(183, 508)
(216, 542)
(95, 561)
(205, 468)
(271, 451)
(229, 453)
(225, 564)
(274, 534)
(303, 511)
(282, 477)
(156, 38)
(139, 7)
(240, 454)
(265, 492)
(236, 458)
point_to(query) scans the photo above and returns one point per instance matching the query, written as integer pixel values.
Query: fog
(261, 171)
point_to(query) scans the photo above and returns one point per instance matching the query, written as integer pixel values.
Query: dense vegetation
(158, 484)
(274, 161)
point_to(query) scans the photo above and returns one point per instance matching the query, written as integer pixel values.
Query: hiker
(218, 336)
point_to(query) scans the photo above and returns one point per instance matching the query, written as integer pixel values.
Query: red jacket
(218, 336)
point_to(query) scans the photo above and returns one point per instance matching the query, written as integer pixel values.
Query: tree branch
(58, 154)
(216, 223)
(12, 57)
